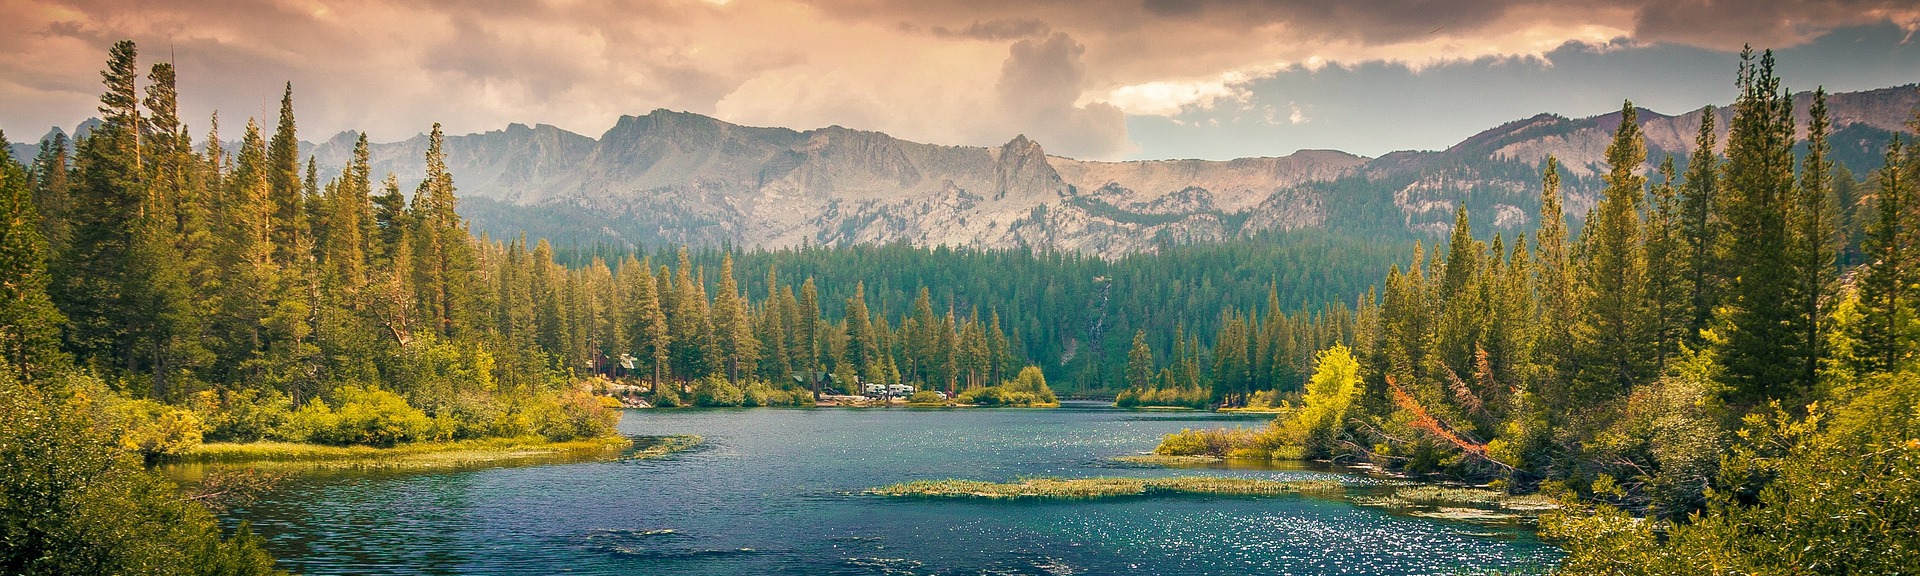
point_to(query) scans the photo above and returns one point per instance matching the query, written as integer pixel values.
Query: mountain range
(677, 177)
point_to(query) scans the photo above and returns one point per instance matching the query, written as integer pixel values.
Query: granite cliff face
(679, 177)
(675, 177)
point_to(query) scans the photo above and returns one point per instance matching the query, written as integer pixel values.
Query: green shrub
(154, 429)
(1029, 388)
(579, 415)
(244, 415)
(987, 396)
(1216, 442)
(667, 395)
(715, 392)
(1032, 381)
(925, 397)
(368, 416)
(758, 393)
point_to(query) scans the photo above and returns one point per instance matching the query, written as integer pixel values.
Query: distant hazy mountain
(675, 177)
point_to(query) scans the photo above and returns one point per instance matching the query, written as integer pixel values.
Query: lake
(778, 491)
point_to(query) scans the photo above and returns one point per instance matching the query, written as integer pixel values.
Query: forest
(1719, 366)
(1717, 373)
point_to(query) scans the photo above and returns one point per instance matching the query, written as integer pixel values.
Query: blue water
(779, 492)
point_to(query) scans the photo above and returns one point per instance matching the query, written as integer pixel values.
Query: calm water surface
(778, 492)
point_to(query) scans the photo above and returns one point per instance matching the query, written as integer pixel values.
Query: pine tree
(283, 180)
(443, 258)
(1700, 227)
(1139, 363)
(97, 283)
(862, 350)
(29, 324)
(50, 191)
(1817, 239)
(1669, 287)
(1615, 333)
(1765, 357)
(1556, 283)
(810, 333)
(733, 324)
(690, 330)
(1886, 280)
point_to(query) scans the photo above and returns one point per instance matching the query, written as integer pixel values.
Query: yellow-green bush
(1029, 388)
(243, 415)
(1216, 442)
(715, 391)
(578, 415)
(154, 429)
(367, 415)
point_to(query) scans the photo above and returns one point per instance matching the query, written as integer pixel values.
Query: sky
(1094, 79)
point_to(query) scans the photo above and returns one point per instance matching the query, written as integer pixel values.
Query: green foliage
(1835, 492)
(926, 397)
(1323, 413)
(367, 416)
(1029, 388)
(715, 391)
(154, 430)
(242, 415)
(579, 415)
(1215, 442)
(73, 502)
(667, 396)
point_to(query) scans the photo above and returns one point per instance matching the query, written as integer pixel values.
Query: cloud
(1004, 29)
(1066, 72)
(1039, 85)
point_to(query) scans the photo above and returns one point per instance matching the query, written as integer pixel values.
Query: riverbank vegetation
(1026, 390)
(1718, 373)
(1110, 487)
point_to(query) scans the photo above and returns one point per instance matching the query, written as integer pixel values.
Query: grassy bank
(1111, 487)
(423, 455)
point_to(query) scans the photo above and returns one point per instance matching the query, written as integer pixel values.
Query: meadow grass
(1107, 487)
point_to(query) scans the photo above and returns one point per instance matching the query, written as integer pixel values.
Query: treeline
(1701, 354)
(1075, 315)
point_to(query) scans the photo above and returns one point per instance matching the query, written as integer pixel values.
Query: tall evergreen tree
(1887, 279)
(1139, 363)
(1765, 356)
(283, 181)
(1615, 334)
(1669, 286)
(29, 324)
(1817, 236)
(443, 258)
(1556, 283)
(1700, 226)
(733, 324)
(97, 282)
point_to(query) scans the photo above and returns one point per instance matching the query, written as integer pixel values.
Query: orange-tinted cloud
(1065, 73)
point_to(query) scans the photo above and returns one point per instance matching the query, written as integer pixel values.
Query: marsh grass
(429, 455)
(1166, 460)
(1464, 504)
(1109, 487)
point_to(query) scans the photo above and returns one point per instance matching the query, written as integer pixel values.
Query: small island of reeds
(1106, 487)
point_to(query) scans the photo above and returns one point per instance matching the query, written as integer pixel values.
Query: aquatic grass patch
(1461, 504)
(432, 455)
(1168, 461)
(1105, 487)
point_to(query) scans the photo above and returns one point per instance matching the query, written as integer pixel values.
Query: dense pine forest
(1718, 371)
